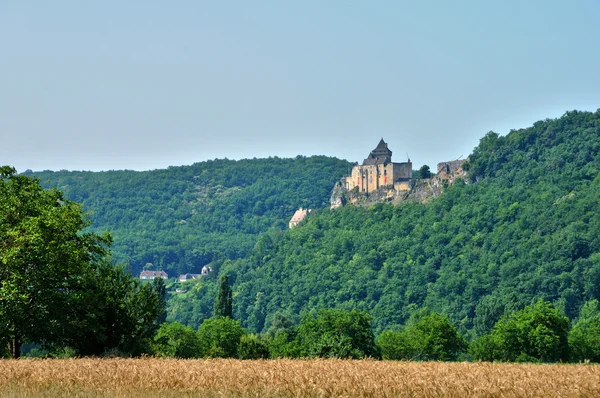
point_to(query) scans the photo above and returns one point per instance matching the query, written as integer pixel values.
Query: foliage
(114, 312)
(252, 347)
(423, 172)
(428, 336)
(284, 344)
(159, 288)
(537, 333)
(393, 345)
(181, 218)
(176, 340)
(220, 337)
(194, 305)
(523, 226)
(223, 302)
(337, 334)
(43, 258)
(584, 337)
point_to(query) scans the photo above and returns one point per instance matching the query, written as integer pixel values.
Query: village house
(205, 270)
(298, 216)
(150, 275)
(190, 277)
(187, 277)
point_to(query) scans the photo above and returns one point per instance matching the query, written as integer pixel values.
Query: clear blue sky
(99, 85)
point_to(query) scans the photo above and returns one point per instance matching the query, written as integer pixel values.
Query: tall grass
(292, 378)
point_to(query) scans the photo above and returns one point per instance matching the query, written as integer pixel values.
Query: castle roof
(381, 154)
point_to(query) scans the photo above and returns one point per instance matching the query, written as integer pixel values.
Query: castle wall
(450, 167)
(402, 171)
(372, 177)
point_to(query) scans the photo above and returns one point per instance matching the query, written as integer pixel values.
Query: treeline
(182, 218)
(524, 227)
(538, 333)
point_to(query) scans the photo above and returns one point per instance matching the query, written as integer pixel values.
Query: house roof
(187, 277)
(154, 273)
(299, 215)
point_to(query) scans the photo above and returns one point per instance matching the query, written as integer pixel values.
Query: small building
(187, 277)
(150, 275)
(205, 270)
(298, 216)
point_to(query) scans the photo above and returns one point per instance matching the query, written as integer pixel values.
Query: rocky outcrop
(338, 197)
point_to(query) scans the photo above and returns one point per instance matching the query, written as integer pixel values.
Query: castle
(378, 171)
(379, 179)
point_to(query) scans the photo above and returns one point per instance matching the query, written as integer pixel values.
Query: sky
(140, 85)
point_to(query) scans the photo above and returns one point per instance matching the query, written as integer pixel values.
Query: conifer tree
(223, 303)
(158, 286)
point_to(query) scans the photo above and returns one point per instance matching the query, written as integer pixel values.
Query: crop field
(152, 377)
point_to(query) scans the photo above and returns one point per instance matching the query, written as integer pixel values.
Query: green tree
(424, 172)
(428, 336)
(176, 340)
(223, 303)
(537, 333)
(220, 337)
(433, 337)
(393, 345)
(159, 288)
(584, 337)
(43, 256)
(337, 334)
(113, 311)
(252, 347)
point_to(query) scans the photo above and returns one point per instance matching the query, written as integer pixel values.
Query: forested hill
(182, 218)
(526, 226)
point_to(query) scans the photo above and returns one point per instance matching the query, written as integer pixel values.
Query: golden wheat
(292, 378)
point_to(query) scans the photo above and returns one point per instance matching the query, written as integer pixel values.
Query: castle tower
(378, 171)
(381, 154)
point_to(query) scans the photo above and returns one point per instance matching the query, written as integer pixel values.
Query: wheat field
(150, 377)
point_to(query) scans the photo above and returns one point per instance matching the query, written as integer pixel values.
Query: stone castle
(378, 179)
(378, 171)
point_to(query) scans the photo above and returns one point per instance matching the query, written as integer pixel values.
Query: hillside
(182, 218)
(525, 226)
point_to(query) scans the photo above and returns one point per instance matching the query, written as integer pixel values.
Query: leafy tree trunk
(15, 346)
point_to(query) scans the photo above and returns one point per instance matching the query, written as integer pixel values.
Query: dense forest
(523, 227)
(182, 218)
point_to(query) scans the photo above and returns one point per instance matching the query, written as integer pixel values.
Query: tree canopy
(57, 287)
(181, 218)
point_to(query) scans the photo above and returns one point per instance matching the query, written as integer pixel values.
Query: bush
(584, 338)
(252, 347)
(176, 340)
(428, 336)
(537, 333)
(337, 334)
(393, 345)
(220, 337)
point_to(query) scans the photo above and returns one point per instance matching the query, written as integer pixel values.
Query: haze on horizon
(144, 85)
